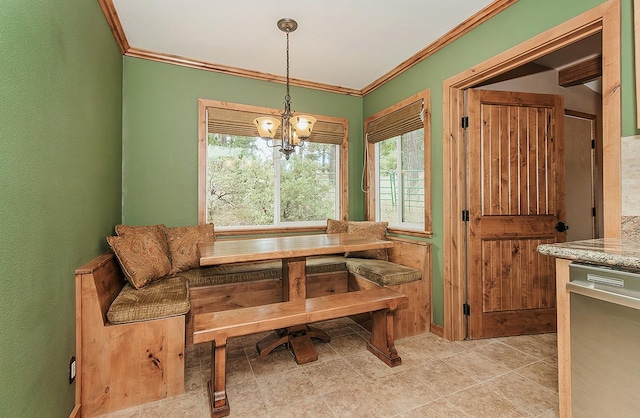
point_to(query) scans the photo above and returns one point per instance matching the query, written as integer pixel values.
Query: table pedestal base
(298, 339)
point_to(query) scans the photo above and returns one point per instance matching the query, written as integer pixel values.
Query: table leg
(294, 279)
(266, 345)
(318, 334)
(382, 339)
(301, 346)
(298, 339)
(216, 386)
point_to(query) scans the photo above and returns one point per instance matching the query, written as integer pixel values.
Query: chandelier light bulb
(267, 126)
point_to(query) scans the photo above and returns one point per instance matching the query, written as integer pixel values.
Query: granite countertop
(615, 252)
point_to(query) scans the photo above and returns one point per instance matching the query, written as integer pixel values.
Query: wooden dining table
(293, 251)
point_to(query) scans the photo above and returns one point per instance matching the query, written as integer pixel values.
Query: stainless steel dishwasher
(605, 341)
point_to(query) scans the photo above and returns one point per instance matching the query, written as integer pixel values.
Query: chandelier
(295, 128)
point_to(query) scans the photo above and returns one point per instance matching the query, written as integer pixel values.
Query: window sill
(247, 231)
(410, 232)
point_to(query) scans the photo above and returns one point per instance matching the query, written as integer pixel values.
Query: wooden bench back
(97, 284)
(411, 253)
(415, 317)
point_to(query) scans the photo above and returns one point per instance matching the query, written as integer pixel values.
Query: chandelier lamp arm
(295, 128)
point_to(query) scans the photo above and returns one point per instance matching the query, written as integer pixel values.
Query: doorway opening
(604, 20)
(582, 175)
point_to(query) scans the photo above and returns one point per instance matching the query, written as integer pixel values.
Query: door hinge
(465, 215)
(593, 212)
(465, 122)
(466, 309)
(593, 144)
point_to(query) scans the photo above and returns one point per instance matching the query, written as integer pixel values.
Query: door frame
(604, 18)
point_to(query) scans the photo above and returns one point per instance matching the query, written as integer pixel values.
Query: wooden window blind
(401, 121)
(240, 122)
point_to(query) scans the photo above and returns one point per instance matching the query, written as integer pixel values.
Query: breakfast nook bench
(217, 327)
(137, 305)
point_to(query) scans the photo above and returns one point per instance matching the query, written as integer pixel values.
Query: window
(397, 166)
(399, 180)
(244, 182)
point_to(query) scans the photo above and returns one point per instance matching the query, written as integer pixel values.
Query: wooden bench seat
(408, 271)
(217, 327)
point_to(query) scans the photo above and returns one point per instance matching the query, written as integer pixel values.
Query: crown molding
(111, 15)
(482, 16)
(218, 68)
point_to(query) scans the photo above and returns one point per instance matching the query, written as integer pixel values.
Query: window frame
(370, 173)
(343, 195)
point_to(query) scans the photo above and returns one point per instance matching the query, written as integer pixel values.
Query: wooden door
(515, 179)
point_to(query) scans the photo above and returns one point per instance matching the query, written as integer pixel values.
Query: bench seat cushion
(256, 270)
(384, 273)
(326, 264)
(233, 273)
(161, 299)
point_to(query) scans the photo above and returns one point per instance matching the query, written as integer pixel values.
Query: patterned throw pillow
(371, 229)
(122, 230)
(142, 253)
(337, 227)
(183, 245)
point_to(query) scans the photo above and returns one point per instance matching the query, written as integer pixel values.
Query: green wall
(60, 187)
(160, 134)
(518, 23)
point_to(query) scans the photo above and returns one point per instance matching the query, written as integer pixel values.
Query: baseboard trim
(75, 413)
(437, 329)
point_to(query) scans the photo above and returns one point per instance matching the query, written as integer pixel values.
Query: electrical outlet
(72, 370)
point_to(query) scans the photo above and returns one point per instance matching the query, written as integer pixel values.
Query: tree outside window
(400, 179)
(248, 184)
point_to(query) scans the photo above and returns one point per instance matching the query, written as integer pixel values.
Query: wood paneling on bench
(414, 317)
(120, 366)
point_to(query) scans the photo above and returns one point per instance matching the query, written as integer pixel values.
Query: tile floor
(500, 377)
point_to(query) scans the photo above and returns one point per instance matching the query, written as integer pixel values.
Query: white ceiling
(346, 43)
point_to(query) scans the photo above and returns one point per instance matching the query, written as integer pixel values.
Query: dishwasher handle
(589, 290)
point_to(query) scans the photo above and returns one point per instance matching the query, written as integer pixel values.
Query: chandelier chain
(288, 97)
